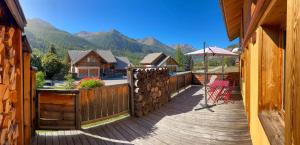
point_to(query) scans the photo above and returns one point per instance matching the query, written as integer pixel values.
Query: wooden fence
(180, 81)
(58, 109)
(104, 102)
(69, 109)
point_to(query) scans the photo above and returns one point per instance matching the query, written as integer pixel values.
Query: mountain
(41, 35)
(117, 41)
(151, 41)
(185, 48)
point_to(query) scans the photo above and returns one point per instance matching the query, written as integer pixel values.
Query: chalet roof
(166, 59)
(17, 12)
(77, 55)
(25, 44)
(122, 63)
(232, 13)
(107, 56)
(151, 58)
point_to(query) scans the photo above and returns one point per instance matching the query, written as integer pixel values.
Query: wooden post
(177, 83)
(38, 110)
(78, 110)
(131, 87)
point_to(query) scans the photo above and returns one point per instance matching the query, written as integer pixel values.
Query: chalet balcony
(176, 122)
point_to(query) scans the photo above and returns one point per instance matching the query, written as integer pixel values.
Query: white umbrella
(211, 51)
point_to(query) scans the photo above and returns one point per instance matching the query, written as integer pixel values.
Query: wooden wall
(57, 109)
(27, 97)
(292, 87)
(92, 56)
(104, 102)
(271, 62)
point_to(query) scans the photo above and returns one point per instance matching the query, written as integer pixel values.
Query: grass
(103, 122)
(91, 125)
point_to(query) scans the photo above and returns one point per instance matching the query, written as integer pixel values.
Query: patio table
(216, 89)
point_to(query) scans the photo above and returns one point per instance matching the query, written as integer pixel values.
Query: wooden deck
(175, 123)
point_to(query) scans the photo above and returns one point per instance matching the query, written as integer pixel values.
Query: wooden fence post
(38, 110)
(78, 110)
(131, 87)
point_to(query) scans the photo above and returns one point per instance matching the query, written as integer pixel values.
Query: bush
(40, 79)
(89, 83)
(69, 82)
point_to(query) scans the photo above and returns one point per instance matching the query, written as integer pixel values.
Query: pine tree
(52, 49)
(179, 57)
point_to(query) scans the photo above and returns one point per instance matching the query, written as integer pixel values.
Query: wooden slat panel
(56, 110)
(292, 75)
(104, 102)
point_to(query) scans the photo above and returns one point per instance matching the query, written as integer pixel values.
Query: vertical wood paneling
(104, 102)
(292, 75)
(57, 109)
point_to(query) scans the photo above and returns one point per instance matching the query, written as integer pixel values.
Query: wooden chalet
(159, 60)
(15, 76)
(95, 63)
(270, 75)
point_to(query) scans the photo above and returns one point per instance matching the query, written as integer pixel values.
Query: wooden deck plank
(49, 138)
(69, 137)
(41, 138)
(55, 138)
(61, 138)
(177, 122)
(75, 137)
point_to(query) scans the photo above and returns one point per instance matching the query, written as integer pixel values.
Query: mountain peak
(149, 41)
(184, 47)
(115, 31)
(40, 23)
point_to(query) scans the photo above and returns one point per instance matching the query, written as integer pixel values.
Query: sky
(170, 21)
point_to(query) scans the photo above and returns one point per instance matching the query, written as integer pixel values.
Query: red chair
(214, 91)
(228, 93)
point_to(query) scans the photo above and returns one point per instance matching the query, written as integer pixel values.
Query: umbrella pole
(205, 106)
(222, 67)
(205, 78)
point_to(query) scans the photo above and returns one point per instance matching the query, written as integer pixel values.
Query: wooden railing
(58, 109)
(180, 81)
(69, 109)
(198, 78)
(104, 102)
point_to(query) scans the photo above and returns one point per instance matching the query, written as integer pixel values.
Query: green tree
(69, 82)
(188, 63)
(229, 61)
(179, 57)
(52, 49)
(36, 59)
(40, 79)
(51, 64)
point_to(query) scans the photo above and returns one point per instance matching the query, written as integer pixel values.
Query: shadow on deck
(175, 123)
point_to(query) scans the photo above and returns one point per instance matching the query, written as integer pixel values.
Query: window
(271, 81)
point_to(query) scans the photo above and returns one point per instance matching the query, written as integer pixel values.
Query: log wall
(11, 91)
(103, 102)
(150, 89)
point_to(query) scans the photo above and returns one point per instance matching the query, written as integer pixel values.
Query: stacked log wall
(150, 89)
(10, 72)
